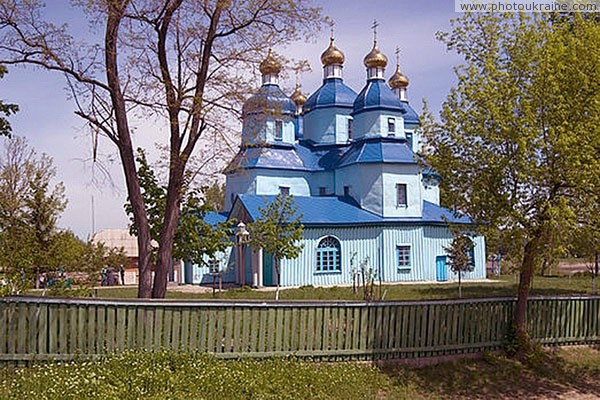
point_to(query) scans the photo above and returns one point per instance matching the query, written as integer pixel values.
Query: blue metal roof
(345, 211)
(269, 98)
(377, 95)
(378, 150)
(411, 117)
(270, 158)
(214, 217)
(333, 93)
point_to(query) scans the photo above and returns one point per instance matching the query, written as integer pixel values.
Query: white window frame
(391, 123)
(404, 258)
(401, 202)
(278, 129)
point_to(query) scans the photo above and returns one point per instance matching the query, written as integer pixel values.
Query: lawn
(495, 287)
(569, 373)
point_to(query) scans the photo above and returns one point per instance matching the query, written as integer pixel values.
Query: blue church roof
(306, 157)
(269, 98)
(282, 157)
(214, 217)
(377, 94)
(378, 150)
(411, 117)
(345, 211)
(332, 93)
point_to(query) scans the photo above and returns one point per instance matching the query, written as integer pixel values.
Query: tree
(460, 257)
(194, 238)
(181, 60)
(519, 136)
(277, 231)
(6, 109)
(30, 204)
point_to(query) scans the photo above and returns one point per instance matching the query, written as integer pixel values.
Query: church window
(409, 138)
(284, 190)
(349, 128)
(322, 191)
(328, 255)
(213, 266)
(403, 253)
(278, 130)
(401, 198)
(346, 190)
(391, 126)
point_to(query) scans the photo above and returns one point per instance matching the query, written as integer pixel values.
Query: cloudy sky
(46, 117)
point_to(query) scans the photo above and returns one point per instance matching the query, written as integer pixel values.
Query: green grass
(567, 373)
(500, 287)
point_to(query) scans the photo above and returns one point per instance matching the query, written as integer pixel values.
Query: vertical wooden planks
(121, 327)
(73, 328)
(53, 331)
(21, 328)
(132, 325)
(194, 331)
(33, 311)
(185, 329)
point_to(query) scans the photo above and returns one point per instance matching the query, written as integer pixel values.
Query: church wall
(379, 244)
(260, 129)
(406, 174)
(431, 194)
(322, 179)
(366, 185)
(364, 241)
(438, 237)
(268, 182)
(324, 124)
(374, 123)
(201, 272)
(242, 181)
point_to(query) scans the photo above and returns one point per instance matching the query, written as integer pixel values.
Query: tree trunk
(524, 344)
(115, 15)
(544, 267)
(169, 228)
(277, 272)
(596, 271)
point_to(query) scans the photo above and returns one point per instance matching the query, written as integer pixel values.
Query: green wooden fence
(58, 329)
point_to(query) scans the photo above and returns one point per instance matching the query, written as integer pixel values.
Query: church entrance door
(268, 269)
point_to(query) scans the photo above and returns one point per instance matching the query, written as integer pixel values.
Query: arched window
(328, 255)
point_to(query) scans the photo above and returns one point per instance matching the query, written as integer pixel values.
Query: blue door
(267, 269)
(441, 271)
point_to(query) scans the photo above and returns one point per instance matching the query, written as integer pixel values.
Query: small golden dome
(270, 66)
(297, 97)
(332, 55)
(398, 80)
(375, 58)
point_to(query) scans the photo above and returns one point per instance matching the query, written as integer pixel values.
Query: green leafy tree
(6, 109)
(30, 204)
(460, 257)
(214, 196)
(519, 136)
(278, 232)
(176, 60)
(195, 239)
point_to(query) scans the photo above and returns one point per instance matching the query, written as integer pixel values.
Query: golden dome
(375, 58)
(270, 66)
(332, 55)
(398, 80)
(297, 97)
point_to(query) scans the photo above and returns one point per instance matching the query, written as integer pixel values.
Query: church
(350, 161)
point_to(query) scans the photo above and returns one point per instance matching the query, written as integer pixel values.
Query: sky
(46, 117)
